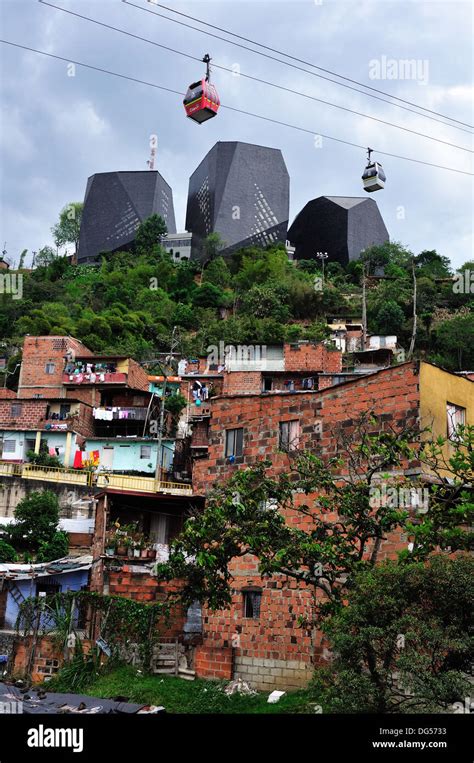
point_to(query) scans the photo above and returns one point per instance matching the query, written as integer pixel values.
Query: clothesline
(114, 412)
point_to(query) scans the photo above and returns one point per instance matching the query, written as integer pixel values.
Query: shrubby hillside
(130, 301)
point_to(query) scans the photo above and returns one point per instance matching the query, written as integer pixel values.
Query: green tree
(148, 234)
(66, 231)
(247, 515)
(454, 342)
(208, 295)
(392, 256)
(36, 520)
(389, 318)
(433, 265)
(211, 245)
(217, 273)
(21, 262)
(404, 642)
(45, 257)
(265, 302)
(7, 552)
(55, 548)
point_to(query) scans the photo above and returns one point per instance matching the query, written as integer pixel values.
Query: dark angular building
(115, 204)
(242, 191)
(341, 226)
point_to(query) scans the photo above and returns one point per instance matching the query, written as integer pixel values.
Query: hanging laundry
(77, 460)
(94, 457)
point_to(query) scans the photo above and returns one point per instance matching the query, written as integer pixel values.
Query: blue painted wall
(126, 455)
(69, 581)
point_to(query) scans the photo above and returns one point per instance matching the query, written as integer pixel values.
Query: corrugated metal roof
(13, 571)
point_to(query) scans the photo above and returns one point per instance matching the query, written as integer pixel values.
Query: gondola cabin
(201, 101)
(373, 176)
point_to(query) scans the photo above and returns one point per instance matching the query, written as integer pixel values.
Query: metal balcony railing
(91, 479)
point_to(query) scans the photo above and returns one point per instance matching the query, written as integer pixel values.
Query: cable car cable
(294, 58)
(257, 79)
(299, 68)
(232, 108)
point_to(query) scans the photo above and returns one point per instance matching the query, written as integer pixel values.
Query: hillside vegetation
(129, 303)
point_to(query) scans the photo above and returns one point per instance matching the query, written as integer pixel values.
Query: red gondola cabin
(201, 101)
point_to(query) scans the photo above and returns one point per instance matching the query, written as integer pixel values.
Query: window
(456, 419)
(289, 435)
(46, 588)
(145, 451)
(49, 368)
(267, 384)
(64, 410)
(16, 410)
(234, 442)
(9, 446)
(29, 444)
(252, 602)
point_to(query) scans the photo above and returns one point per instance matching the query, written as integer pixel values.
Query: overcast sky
(57, 129)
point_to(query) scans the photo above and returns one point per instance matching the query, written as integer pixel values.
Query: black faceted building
(242, 192)
(115, 204)
(340, 226)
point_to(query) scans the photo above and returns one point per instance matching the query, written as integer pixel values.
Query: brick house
(258, 638)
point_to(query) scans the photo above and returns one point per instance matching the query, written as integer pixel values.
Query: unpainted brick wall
(37, 352)
(314, 356)
(271, 651)
(31, 416)
(392, 393)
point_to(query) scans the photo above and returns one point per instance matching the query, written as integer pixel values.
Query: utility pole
(415, 317)
(322, 256)
(364, 308)
(159, 455)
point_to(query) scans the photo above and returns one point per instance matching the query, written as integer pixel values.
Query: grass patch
(180, 696)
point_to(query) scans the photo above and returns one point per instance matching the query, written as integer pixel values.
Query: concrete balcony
(200, 411)
(53, 474)
(125, 482)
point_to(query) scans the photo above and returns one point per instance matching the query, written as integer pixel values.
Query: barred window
(16, 410)
(289, 435)
(456, 419)
(252, 602)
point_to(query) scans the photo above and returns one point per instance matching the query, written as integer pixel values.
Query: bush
(55, 548)
(37, 518)
(404, 641)
(43, 459)
(7, 552)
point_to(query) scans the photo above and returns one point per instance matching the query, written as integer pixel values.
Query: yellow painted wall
(437, 389)
(122, 366)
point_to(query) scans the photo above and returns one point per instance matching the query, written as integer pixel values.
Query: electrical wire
(299, 68)
(232, 108)
(255, 79)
